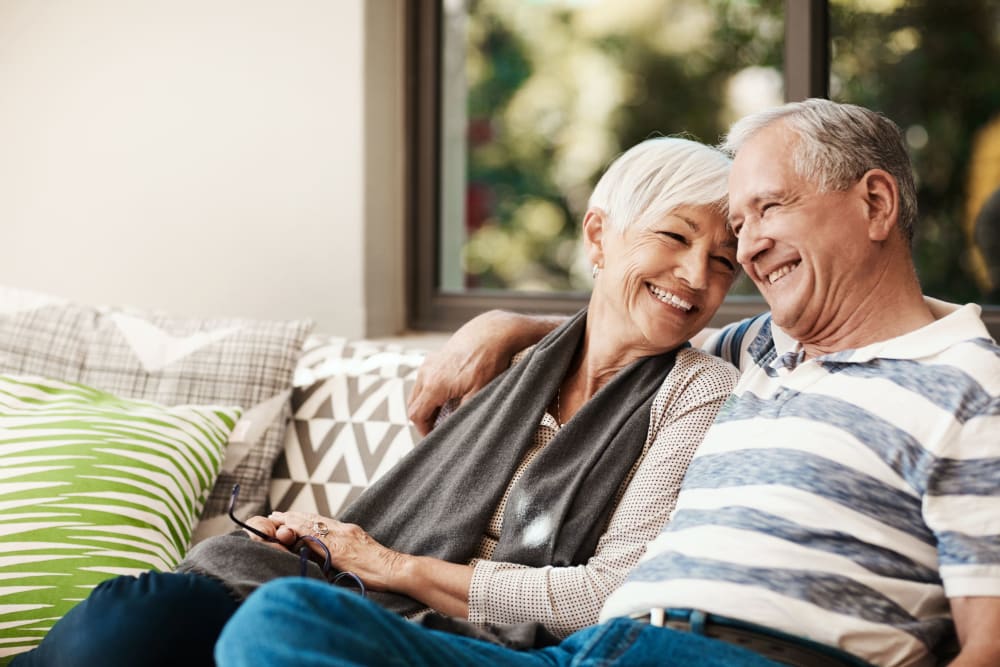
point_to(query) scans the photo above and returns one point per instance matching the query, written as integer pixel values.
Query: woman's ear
(882, 200)
(594, 222)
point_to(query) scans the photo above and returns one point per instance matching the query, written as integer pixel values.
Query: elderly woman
(531, 502)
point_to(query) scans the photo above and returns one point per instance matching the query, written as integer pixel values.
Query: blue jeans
(158, 618)
(311, 624)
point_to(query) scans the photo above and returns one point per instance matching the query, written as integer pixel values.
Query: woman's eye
(725, 262)
(766, 207)
(675, 236)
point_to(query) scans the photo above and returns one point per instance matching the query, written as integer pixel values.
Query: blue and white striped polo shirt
(842, 498)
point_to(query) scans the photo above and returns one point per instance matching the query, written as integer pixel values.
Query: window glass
(933, 68)
(539, 96)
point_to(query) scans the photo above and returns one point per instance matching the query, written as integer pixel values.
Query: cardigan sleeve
(566, 599)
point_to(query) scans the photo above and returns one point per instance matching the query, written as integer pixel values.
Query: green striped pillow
(92, 486)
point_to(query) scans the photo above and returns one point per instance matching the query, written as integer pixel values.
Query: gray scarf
(438, 500)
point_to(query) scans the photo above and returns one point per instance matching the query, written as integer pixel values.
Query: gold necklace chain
(559, 421)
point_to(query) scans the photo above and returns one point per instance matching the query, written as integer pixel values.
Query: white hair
(659, 175)
(837, 144)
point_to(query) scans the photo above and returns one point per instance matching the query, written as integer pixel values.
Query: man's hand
(470, 359)
(977, 621)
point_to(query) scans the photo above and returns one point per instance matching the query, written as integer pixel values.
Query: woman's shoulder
(698, 358)
(695, 389)
(696, 368)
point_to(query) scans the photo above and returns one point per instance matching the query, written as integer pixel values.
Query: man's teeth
(672, 299)
(774, 276)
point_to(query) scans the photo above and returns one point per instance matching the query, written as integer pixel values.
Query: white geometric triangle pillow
(92, 486)
(349, 424)
(169, 360)
(327, 356)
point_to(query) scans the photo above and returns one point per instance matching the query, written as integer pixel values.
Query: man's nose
(751, 243)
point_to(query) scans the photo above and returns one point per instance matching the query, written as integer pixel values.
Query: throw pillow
(169, 360)
(349, 423)
(93, 486)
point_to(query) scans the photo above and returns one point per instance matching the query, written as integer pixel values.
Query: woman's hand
(438, 584)
(351, 548)
(286, 536)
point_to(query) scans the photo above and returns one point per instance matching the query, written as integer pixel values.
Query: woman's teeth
(672, 299)
(777, 274)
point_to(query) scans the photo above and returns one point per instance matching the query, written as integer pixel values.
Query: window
(518, 106)
(932, 68)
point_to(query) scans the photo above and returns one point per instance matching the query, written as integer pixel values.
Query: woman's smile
(669, 298)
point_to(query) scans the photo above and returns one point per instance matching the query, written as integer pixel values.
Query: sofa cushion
(170, 360)
(92, 486)
(349, 423)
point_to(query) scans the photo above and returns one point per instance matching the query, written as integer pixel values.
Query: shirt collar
(952, 323)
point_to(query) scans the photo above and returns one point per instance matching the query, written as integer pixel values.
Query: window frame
(806, 74)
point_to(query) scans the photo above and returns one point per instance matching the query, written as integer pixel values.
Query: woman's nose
(693, 270)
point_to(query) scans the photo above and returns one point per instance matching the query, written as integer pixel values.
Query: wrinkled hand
(286, 536)
(351, 548)
(475, 354)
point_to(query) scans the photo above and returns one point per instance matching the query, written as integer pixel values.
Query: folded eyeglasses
(301, 546)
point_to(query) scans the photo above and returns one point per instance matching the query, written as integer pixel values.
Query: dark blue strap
(736, 342)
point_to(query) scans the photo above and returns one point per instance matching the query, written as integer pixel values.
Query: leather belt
(772, 644)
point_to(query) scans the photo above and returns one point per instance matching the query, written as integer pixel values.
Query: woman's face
(662, 283)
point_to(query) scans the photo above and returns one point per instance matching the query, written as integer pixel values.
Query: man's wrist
(521, 330)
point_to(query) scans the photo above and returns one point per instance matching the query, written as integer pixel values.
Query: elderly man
(844, 508)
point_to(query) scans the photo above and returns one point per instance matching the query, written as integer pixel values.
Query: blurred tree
(557, 89)
(932, 67)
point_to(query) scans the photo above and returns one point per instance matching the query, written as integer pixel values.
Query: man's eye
(735, 228)
(764, 209)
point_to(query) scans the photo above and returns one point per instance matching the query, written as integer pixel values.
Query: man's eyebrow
(767, 195)
(755, 202)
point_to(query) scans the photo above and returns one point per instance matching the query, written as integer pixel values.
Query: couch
(123, 433)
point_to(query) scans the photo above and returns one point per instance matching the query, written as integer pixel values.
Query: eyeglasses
(301, 546)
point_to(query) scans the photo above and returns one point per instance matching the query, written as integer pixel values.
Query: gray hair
(837, 144)
(657, 176)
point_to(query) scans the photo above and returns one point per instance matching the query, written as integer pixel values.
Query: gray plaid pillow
(172, 361)
(349, 423)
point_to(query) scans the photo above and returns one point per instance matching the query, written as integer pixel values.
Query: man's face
(801, 247)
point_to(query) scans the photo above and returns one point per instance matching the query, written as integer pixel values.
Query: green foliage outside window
(557, 88)
(934, 68)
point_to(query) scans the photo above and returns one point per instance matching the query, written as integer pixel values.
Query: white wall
(206, 157)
